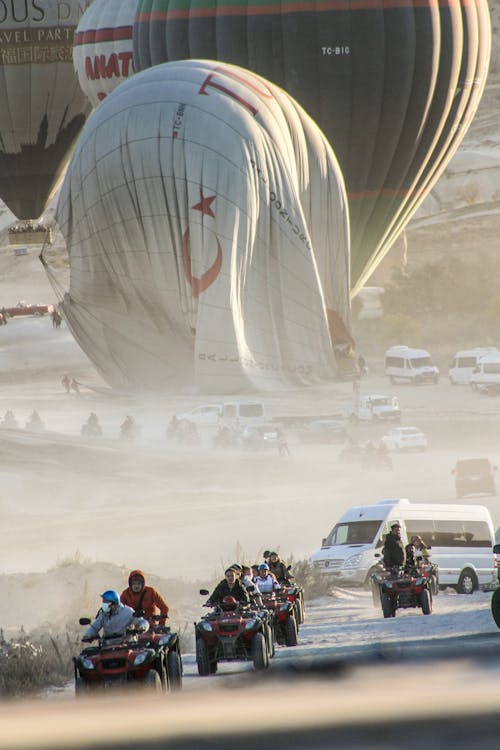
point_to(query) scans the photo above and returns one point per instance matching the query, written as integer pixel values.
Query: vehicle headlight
(353, 561)
(251, 624)
(388, 584)
(163, 641)
(206, 627)
(419, 581)
(87, 663)
(140, 658)
(284, 607)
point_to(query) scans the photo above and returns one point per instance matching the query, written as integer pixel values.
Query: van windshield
(421, 362)
(353, 532)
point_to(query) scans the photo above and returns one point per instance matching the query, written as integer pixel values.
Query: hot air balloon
(393, 85)
(103, 49)
(43, 108)
(188, 211)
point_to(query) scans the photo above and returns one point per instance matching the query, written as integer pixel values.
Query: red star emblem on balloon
(205, 204)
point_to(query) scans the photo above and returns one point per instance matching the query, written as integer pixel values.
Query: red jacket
(152, 602)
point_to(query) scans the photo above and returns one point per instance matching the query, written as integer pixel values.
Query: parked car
(23, 308)
(474, 475)
(376, 408)
(322, 431)
(206, 414)
(405, 439)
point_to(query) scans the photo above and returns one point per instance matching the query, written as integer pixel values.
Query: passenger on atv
(279, 569)
(144, 598)
(114, 618)
(266, 582)
(229, 586)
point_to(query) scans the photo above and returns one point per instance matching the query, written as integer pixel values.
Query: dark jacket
(394, 551)
(222, 589)
(280, 570)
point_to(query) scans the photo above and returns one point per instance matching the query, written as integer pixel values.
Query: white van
(460, 539)
(242, 413)
(486, 372)
(464, 363)
(415, 365)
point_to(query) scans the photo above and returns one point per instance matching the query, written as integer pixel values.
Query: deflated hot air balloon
(206, 224)
(103, 49)
(42, 107)
(393, 85)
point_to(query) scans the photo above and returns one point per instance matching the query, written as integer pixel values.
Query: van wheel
(467, 583)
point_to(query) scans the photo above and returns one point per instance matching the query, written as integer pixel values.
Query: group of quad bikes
(152, 659)
(230, 632)
(404, 588)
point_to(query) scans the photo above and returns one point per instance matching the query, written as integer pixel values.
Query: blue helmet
(111, 596)
(264, 566)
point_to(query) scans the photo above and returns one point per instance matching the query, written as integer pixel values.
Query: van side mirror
(204, 592)
(323, 541)
(377, 554)
(496, 549)
(84, 621)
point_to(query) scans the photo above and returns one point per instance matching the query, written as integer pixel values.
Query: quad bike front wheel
(174, 669)
(426, 602)
(202, 658)
(495, 607)
(291, 632)
(388, 609)
(152, 681)
(260, 656)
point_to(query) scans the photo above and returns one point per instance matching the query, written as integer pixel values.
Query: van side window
(451, 533)
(394, 362)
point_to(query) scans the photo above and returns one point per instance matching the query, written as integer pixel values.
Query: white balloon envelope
(206, 223)
(103, 48)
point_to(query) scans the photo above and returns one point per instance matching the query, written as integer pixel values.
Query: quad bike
(232, 633)
(400, 590)
(283, 612)
(149, 659)
(294, 594)
(91, 430)
(431, 572)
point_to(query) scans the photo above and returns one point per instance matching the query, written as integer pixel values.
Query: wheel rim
(467, 585)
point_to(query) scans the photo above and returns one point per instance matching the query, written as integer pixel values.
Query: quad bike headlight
(87, 663)
(206, 627)
(388, 584)
(251, 624)
(285, 606)
(164, 640)
(142, 657)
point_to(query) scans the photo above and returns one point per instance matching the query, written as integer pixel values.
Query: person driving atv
(145, 598)
(394, 551)
(278, 568)
(113, 618)
(229, 586)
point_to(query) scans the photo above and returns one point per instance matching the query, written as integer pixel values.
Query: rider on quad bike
(229, 586)
(144, 598)
(113, 618)
(394, 554)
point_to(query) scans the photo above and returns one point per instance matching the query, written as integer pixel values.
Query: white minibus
(460, 538)
(464, 363)
(414, 365)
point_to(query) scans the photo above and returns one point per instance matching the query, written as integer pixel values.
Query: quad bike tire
(152, 681)
(174, 668)
(434, 584)
(495, 607)
(290, 632)
(81, 687)
(260, 656)
(426, 602)
(388, 609)
(202, 658)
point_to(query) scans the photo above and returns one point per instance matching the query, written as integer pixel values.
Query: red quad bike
(151, 660)
(295, 594)
(283, 611)
(230, 633)
(403, 590)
